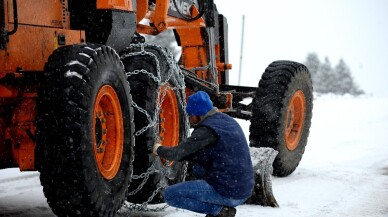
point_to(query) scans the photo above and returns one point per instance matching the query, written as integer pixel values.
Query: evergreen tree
(346, 82)
(344, 79)
(325, 77)
(313, 63)
(328, 80)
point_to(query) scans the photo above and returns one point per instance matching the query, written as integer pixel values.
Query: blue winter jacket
(226, 165)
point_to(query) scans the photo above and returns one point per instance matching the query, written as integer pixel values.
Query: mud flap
(262, 159)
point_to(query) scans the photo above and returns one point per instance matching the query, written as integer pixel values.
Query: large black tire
(282, 112)
(150, 67)
(85, 131)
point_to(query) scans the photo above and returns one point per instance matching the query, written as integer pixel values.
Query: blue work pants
(198, 196)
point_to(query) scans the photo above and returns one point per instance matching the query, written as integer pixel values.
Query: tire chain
(157, 166)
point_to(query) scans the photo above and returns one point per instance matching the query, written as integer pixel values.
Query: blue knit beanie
(199, 104)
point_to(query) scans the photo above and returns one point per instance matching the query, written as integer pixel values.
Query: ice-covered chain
(154, 118)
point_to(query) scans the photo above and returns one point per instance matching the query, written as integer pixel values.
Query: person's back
(227, 162)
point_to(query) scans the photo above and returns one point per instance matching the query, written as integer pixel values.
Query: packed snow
(344, 171)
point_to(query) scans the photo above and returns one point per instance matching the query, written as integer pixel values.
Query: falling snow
(343, 173)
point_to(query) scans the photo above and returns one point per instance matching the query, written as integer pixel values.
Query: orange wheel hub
(295, 119)
(108, 132)
(169, 117)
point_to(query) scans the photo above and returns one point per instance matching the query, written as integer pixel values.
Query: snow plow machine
(83, 97)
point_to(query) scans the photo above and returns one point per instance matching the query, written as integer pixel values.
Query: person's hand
(155, 148)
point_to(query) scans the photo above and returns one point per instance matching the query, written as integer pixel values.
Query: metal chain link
(153, 119)
(151, 122)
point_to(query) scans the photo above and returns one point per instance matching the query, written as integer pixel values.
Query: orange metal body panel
(22, 132)
(125, 5)
(194, 52)
(7, 92)
(55, 13)
(161, 21)
(29, 48)
(161, 14)
(40, 24)
(37, 35)
(141, 10)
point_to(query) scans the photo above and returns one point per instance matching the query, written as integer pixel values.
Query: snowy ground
(344, 171)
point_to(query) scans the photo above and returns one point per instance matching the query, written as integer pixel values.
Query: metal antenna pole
(241, 49)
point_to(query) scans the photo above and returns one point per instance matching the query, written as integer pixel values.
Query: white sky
(355, 30)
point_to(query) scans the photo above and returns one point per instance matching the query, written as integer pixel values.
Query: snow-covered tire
(282, 112)
(85, 131)
(151, 74)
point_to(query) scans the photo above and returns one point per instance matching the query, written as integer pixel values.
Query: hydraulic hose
(15, 18)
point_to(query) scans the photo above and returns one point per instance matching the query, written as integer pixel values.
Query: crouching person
(221, 162)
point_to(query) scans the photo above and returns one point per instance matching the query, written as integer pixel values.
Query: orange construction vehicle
(80, 85)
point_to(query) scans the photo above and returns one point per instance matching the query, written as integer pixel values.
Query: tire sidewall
(108, 73)
(277, 86)
(293, 157)
(68, 169)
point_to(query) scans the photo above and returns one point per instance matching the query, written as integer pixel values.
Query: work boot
(225, 212)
